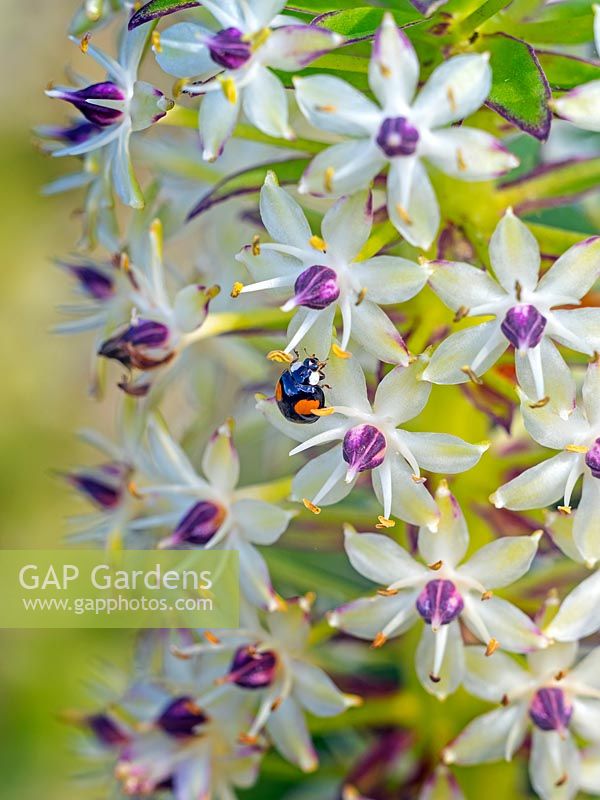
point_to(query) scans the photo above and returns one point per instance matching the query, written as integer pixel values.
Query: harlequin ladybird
(298, 392)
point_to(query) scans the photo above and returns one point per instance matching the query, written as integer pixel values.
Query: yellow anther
(350, 793)
(560, 675)
(259, 396)
(460, 161)
(124, 262)
(328, 109)
(518, 290)
(353, 700)
(385, 70)
(379, 640)
(156, 45)
(487, 595)
(276, 703)
(576, 448)
(361, 296)
(247, 739)
(566, 510)
(259, 38)
(436, 566)
(180, 654)
(418, 479)
(403, 214)
(256, 245)
(308, 601)
(236, 289)
(492, 646)
(328, 179)
(85, 42)
(318, 243)
(323, 412)
(471, 375)
(311, 506)
(178, 87)
(562, 780)
(132, 489)
(385, 522)
(461, 313)
(540, 403)
(505, 700)
(387, 592)
(280, 357)
(229, 89)
(280, 603)
(451, 98)
(337, 351)
(212, 291)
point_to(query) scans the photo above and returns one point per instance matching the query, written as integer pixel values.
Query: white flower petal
(282, 216)
(261, 13)
(394, 66)
(317, 339)
(578, 615)
(368, 616)
(587, 671)
(574, 273)
(261, 522)
(331, 104)
(586, 527)
(300, 433)
(591, 392)
(468, 154)
(293, 47)
(557, 657)
(461, 285)
(348, 384)
(551, 429)
(402, 394)
(559, 385)
(227, 12)
(192, 777)
(255, 581)
(501, 562)
(442, 452)
(183, 51)
(270, 264)
(374, 330)
(342, 169)
(412, 205)
(484, 739)
(586, 718)
(449, 543)
(492, 677)
(537, 487)
(314, 475)
(514, 253)
(265, 104)
(380, 558)
(170, 459)
(389, 279)
(583, 326)
(452, 668)
(581, 106)
(506, 623)
(191, 307)
(461, 349)
(220, 462)
(347, 225)
(316, 692)
(289, 733)
(589, 780)
(218, 117)
(554, 765)
(125, 183)
(456, 88)
(410, 500)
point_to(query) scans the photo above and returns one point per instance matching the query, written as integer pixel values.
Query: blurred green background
(42, 402)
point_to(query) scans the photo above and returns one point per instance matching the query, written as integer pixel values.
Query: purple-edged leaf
(552, 184)
(520, 91)
(566, 72)
(159, 8)
(249, 181)
(359, 23)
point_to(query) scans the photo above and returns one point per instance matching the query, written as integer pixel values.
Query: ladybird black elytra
(298, 393)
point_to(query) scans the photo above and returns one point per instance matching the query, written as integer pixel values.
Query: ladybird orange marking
(304, 407)
(278, 392)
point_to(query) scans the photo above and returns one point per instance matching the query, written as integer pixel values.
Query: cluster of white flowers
(191, 354)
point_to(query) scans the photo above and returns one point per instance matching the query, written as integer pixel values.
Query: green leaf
(553, 184)
(249, 181)
(566, 72)
(520, 92)
(358, 22)
(159, 8)
(561, 23)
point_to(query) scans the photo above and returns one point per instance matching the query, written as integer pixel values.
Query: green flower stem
(570, 179)
(272, 492)
(402, 709)
(241, 322)
(478, 17)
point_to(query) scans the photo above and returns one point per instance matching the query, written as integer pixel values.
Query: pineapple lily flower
(528, 310)
(324, 275)
(210, 512)
(272, 664)
(441, 591)
(578, 437)
(401, 131)
(581, 105)
(117, 106)
(370, 439)
(556, 697)
(239, 59)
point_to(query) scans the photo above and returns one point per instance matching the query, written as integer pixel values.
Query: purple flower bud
(228, 48)
(200, 523)
(363, 448)
(106, 730)
(104, 486)
(316, 288)
(439, 603)
(252, 668)
(181, 718)
(93, 281)
(592, 458)
(549, 709)
(99, 115)
(523, 326)
(131, 346)
(72, 134)
(397, 137)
